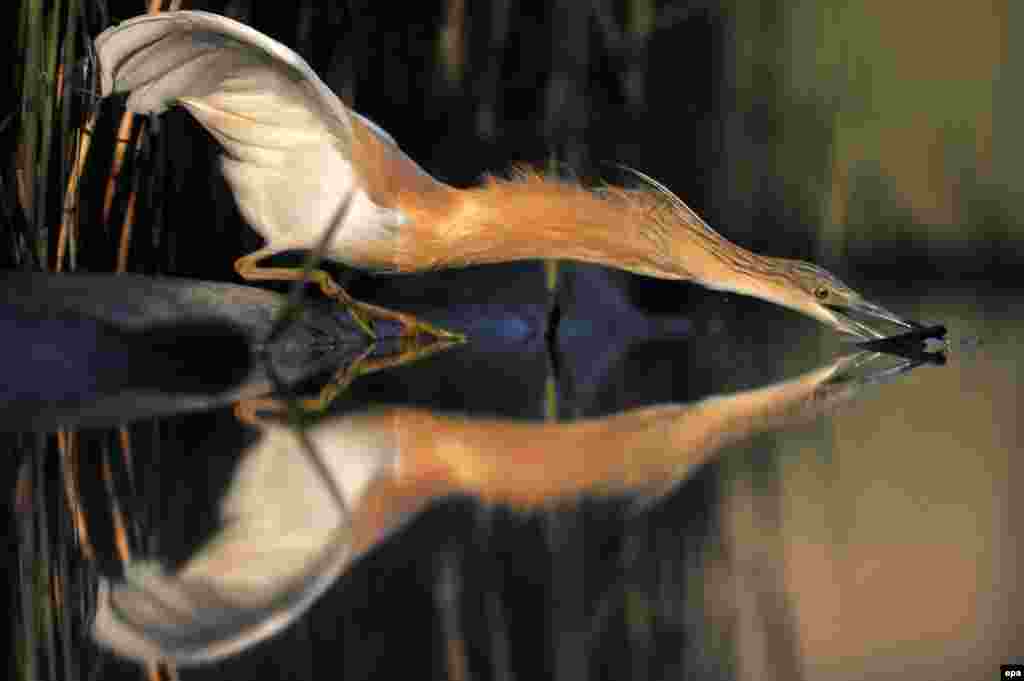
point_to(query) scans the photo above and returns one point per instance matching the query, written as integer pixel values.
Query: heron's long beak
(862, 319)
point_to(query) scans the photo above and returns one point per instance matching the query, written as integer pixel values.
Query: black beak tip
(912, 344)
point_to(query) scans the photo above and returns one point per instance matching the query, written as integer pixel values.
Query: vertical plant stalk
(124, 138)
(43, 571)
(46, 101)
(67, 444)
(24, 502)
(125, 242)
(69, 220)
(124, 551)
(447, 591)
(30, 38)
(488, 84)
(452, 41)
(124, 437)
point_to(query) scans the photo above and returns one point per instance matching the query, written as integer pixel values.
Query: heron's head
(817, 293)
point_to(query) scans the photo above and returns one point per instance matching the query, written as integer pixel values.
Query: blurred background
(874, 138)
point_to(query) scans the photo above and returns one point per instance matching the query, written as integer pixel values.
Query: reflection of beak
(861, 319)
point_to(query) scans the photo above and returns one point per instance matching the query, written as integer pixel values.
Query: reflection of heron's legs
(247, 411)
(362, 313)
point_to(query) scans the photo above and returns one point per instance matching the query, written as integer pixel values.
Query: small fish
(925, 343)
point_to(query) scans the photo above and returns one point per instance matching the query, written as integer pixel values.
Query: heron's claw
(366, 315)
(362, 321)
(411, 327)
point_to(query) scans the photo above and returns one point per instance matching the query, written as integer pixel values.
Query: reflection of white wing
(288, 138)
(284, 542)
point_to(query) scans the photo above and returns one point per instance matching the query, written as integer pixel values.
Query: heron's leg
(411, 326)
(362, 313)
(249, 269)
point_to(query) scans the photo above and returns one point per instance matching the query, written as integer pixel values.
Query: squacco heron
(300, 163)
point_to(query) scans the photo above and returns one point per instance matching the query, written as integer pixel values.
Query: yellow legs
(362, 313)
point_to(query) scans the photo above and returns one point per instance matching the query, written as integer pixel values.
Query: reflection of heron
(296, 155)
(292, 527)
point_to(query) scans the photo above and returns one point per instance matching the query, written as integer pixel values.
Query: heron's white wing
(288, 138)
(283, 543)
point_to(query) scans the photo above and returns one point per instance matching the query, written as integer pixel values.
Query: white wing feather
(283, 543)
(287, 137)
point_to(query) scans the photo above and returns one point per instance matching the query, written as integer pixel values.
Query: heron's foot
(254, 411)
(362, 320)
(331, 289)
(411, 327)
(368, 316)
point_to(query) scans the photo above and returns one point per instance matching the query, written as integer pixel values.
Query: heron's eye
(821, 293)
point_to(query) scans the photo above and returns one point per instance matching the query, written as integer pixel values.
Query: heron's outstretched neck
(646, 231)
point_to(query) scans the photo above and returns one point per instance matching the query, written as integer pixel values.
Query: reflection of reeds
(67, 444)
(447, 596)
(55, 114)
(48, 141)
